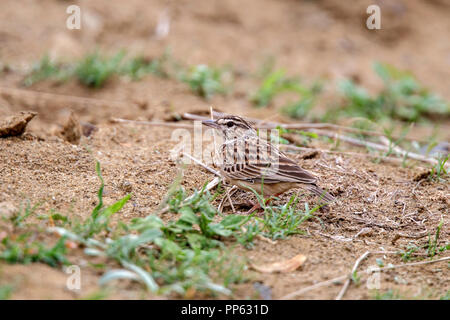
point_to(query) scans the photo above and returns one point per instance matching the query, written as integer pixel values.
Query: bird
(252, 163)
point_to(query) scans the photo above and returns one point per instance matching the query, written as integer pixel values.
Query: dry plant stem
(209, 186)
(228, 197)
(220, 207)
(340, 278)
(395, 252)
(354, 141)
(261, 237)
(399, 235)
(191, 116)
(306, 126)
(313, 128)
(410, 264)
(203, 165)
(372, 145)
(290, 147)
(212, 184)
(264, 124)
(366, 254)
(396, 148)
(355, 267)
(331, 126)
(356, 154)
(154, 123)
(315, 286)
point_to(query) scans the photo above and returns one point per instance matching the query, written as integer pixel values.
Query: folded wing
(256, 160)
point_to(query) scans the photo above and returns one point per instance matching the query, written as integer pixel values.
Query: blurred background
(285, 61)
(292, 59)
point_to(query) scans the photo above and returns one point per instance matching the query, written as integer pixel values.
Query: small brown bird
(251, 162)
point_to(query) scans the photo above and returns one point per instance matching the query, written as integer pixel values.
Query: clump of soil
(15, 125)
(72, 131)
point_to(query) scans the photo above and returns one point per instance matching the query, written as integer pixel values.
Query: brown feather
(253, 163)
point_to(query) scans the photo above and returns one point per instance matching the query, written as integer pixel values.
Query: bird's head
(231, 127)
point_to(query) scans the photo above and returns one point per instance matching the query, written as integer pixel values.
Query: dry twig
(154, 123)
(376, 146)
(315, 286)
(399, 235)
(367, 253)
(355, 267)
(410, 264)
(202, 164)
(264, 124)
(316, 128)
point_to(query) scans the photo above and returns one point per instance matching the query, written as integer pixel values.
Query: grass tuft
(402, 98)
(22, 249)
(44, 69)
(446, 296)
(182, 256)
(6, 292)
(94, 70)
(204, 80)
(433, 244)
(388, 295)
(275, 83)
(438, 171)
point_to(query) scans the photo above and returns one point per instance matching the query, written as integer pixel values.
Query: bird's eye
(230, 124)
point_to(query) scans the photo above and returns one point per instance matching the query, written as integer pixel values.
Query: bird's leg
(257, 205)
(229, 198)
(229, 193)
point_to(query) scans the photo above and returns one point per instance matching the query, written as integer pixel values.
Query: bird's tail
(322, 194)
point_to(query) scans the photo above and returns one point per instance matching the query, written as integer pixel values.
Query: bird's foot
(255, 207)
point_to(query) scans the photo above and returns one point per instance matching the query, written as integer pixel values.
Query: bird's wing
(254, 159)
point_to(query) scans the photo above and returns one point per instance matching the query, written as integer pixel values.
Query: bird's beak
(210, 123)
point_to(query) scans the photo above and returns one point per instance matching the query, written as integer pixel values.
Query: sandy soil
(314, 39)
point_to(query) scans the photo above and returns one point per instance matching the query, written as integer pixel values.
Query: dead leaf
(282, 266)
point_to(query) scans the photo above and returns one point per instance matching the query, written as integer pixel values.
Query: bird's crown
(231, 127)
(233, 121)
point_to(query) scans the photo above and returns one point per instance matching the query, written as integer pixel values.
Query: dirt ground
(378, 203)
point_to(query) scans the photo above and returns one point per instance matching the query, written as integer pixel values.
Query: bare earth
(379, 205)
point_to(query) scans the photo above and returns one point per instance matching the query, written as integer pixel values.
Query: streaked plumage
(251, 162)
